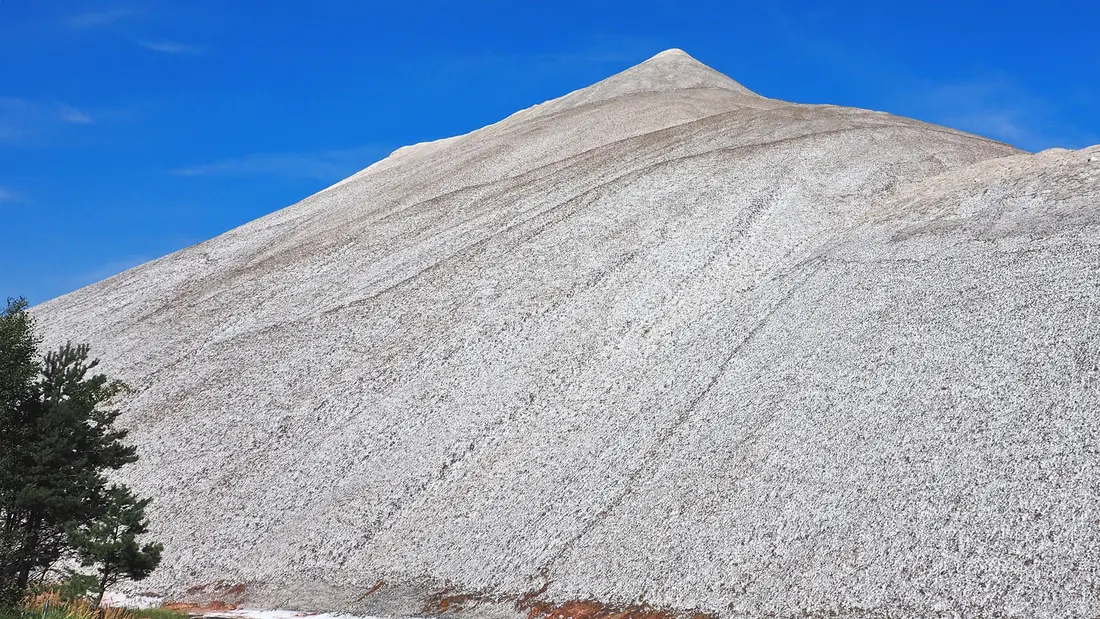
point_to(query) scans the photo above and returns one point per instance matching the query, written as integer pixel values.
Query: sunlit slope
(661, 339)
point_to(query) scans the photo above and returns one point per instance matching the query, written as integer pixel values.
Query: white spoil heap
(659, 341)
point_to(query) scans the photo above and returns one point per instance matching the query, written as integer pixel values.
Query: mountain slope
(660, 340)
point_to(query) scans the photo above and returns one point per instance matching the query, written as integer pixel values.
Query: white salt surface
(658, 340)
(117, 599)
(123, 600)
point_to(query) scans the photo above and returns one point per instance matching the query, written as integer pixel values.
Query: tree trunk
(102, 589)
(25, 562)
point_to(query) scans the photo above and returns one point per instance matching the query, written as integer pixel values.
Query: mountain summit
(670, 70)
(660, 345)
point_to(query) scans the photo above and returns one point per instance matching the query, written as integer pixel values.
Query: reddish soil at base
(575, 609)
(199, 609)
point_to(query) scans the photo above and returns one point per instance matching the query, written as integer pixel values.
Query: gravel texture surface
(660, 340)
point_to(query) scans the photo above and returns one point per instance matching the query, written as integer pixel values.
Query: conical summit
(661, 344)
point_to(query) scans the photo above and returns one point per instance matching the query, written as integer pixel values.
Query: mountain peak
(672, 52)
(674, 69)
(670, 70)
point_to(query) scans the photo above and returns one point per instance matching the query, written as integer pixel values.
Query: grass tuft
(156, 613)
(83, 609)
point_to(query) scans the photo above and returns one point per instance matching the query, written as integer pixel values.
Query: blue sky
(133, 128)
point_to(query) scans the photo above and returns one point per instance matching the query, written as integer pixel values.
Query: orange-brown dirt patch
(199, 609)
(452, 602)
(378, 585)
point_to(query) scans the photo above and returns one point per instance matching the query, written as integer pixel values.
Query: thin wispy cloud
(992, 103)
(98, 19)
(995, 107)
(70, 114)
(25, 120)
(329, 165)
(990, 107)
(13, 115)
(172, 47)
(10, 197)
(129, 24)
(1003, 125)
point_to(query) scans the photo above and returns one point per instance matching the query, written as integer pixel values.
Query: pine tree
(19, 368)
(56, 441)
(18, 348)
(110, 542)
